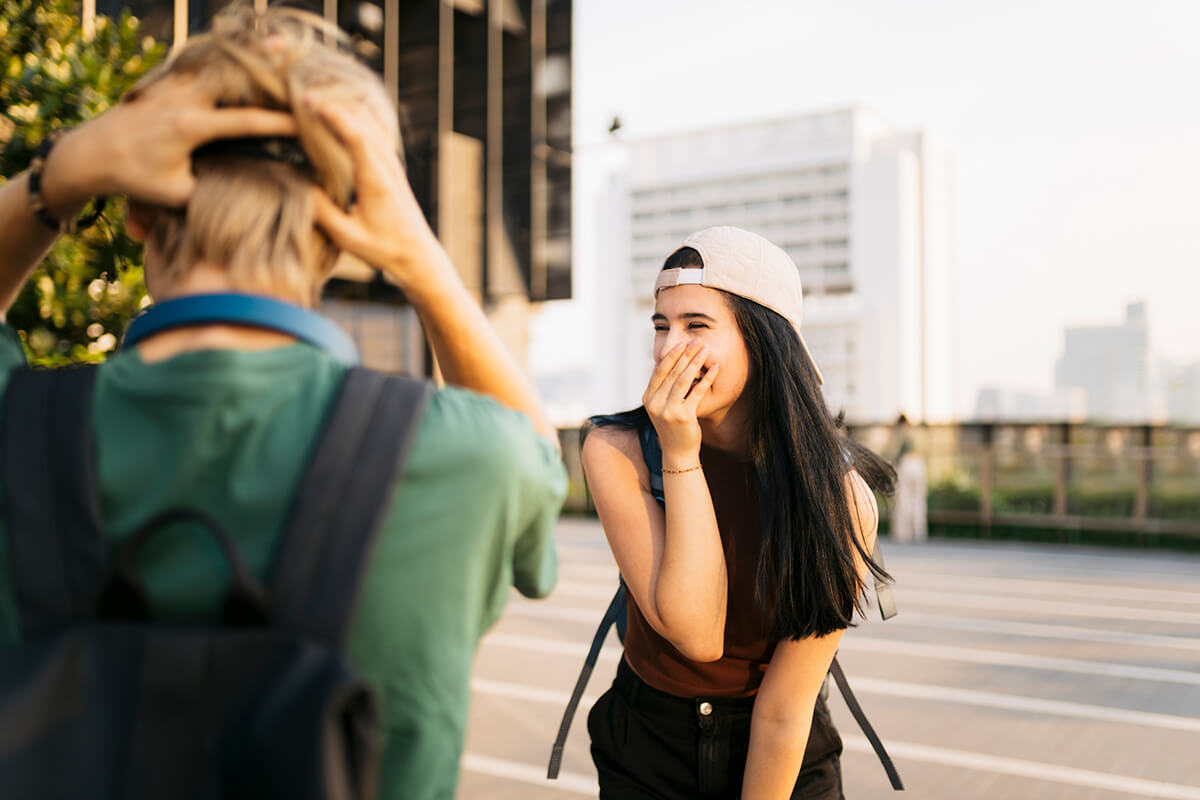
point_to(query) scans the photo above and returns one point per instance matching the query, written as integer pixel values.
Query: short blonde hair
(252, 216)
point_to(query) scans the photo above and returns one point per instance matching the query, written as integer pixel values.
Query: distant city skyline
(1070, 126)
(1106, 373)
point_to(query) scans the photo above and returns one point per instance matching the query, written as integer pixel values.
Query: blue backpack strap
(652, 455)
(52, 519)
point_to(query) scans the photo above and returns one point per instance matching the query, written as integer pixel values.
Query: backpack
(616, 612)
(98, 700)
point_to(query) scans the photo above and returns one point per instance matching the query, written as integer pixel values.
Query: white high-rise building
(862, 209)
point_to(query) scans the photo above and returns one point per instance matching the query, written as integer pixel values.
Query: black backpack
(100, 701)
(615, 614)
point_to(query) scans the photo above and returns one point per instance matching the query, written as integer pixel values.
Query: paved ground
(1012, 671)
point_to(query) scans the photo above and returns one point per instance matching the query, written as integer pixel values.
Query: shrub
(79, 299)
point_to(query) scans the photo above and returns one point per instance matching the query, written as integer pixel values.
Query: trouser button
(705, 708)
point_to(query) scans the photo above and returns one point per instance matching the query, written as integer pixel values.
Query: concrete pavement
(1011, 671)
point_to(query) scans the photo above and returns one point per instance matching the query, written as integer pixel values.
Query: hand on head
(386, 227)
(143, 147)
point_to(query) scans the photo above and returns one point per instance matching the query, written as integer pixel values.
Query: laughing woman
(742, 583)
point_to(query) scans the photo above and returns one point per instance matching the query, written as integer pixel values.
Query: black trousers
(650, 745)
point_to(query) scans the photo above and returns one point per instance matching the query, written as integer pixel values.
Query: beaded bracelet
(680, 471)
(37, 203)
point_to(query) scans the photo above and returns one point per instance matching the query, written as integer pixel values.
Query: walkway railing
(1055, 476)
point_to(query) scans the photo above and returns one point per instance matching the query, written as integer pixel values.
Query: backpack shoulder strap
(883, 589)
(615, 615)
(652, 455)
(52, 519)
(860, 717)
(616, 611)
(341, 502)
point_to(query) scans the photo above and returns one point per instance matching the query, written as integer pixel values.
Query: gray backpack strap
(342, 500)
(883, 589)
(52, 519)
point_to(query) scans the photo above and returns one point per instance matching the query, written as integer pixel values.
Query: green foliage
(80, 298)
(1024, 500)
(956, 493)
(1171, 505)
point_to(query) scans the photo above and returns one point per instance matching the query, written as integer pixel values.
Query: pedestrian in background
(908, 523)
(741, 585)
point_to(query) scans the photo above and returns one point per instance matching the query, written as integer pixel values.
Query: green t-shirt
(230, 432)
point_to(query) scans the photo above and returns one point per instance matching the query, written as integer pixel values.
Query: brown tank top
(748, 649)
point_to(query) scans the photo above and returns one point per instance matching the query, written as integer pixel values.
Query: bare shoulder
(864, 511)
(614, 452)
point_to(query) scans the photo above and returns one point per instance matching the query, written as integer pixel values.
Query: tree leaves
(79, 300)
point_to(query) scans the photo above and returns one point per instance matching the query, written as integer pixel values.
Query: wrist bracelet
(681, 471)
(37, 203)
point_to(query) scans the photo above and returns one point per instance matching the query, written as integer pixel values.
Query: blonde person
(222, 416)
(742, 583)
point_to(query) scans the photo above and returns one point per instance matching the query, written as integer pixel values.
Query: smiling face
(691, 312)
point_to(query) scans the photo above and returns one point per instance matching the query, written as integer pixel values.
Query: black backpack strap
(615, 612)
(52, 519)
(839, 677)
(652, 454)
(341, 502)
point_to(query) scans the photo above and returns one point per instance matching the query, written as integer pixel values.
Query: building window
(836, 266)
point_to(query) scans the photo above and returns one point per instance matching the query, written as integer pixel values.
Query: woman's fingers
(662, 369)
(697, 392)
(686, 377)
(683, 362)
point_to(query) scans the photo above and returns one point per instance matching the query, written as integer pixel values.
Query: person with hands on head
(741, 584)
(251, 159)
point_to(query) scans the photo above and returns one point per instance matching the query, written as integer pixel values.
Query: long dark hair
(807, 580)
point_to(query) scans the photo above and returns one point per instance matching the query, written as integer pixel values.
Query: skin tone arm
(141, 149)
(784, 706)
(673, 563)
(387, 230)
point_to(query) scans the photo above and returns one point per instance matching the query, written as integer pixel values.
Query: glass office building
(484, 93)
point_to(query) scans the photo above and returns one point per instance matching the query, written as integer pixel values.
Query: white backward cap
(745, 264)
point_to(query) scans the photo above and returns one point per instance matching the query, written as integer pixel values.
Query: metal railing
(1056, 476)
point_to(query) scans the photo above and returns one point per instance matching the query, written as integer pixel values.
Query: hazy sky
(1073, 127)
